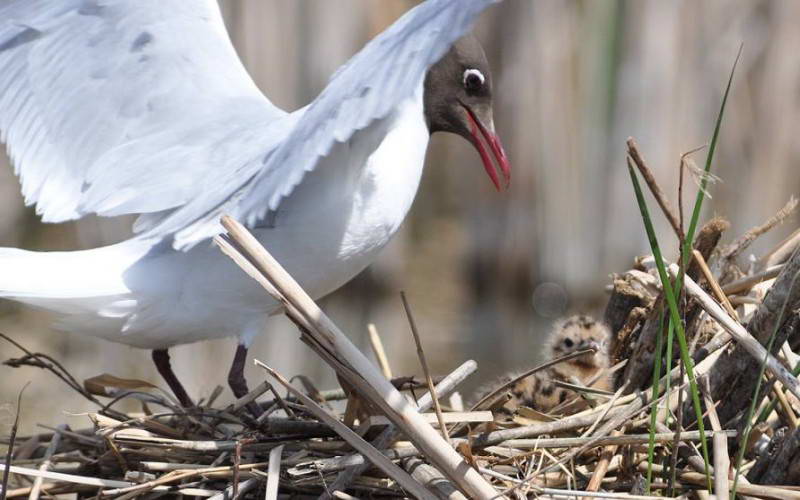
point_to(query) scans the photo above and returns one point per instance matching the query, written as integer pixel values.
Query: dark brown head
(458, 99)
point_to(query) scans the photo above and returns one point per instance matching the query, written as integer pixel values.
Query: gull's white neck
(350, 206)
(391, 176)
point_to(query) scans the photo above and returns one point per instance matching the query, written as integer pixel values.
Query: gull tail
(80, 282)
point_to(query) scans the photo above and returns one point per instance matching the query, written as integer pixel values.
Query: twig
(594, 441)
(48, 363)
(236, 490)
(741, 335)
(421, 353)
(699, 479)
(781, 252)
(380, 353)
(366, 449)
(744, 241)
(602, 465)
(647, 174)
(712, 282)
(720, 441)
(11, 441)
(432, 478)
(594, 494)
(274, 472)
(337, 349)
(748, 282)
(251, 396)
(356, 465)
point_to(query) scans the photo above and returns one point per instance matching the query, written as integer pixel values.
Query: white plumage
(142, 107)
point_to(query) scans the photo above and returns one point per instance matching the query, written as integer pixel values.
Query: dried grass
(300, 448)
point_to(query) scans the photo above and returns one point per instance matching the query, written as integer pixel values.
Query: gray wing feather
(382, 75)
(141, 106)
(112, 106)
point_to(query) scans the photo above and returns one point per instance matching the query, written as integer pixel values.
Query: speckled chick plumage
(539, 391)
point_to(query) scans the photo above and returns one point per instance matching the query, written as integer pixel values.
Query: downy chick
(538, 391)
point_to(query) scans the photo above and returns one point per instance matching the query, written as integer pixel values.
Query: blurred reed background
(486, 273)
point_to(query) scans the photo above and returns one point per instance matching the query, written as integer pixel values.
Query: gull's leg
(236, 380)
(161, 359)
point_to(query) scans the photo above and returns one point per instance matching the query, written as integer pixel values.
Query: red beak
(496, 147)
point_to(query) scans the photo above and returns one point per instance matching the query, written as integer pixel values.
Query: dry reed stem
(602, 465)
(787, 407)
(11, 442)
(739, 333)
(596, 441)
(722, 461)
(235, 490)
(379, 351)
(356, 465)
(699, 479)
(432, 478)
(712, 282)
(748, 282)
(334, 345)
(781, 252)
(744, 241)
(52, 447)
(637, 159)
(273, 473)
(425, 370)
(356, 441)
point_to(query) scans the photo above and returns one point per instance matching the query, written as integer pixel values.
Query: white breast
(351, 205)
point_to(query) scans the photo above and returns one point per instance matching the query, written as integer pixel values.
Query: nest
(637, 442)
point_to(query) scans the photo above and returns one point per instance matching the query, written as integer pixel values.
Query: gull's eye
(473, 80)
(568, 342)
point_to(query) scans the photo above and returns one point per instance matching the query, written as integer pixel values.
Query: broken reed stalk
(748, 282)
(602, 465)
(712, 282)
(719, 442)
(356, 462)
(380, 353)
(421, 353)
(740, 334)
(47, 462)
(743, 242)
(12, 439)
(273, 473)
(351, 363)
(661, 198)
(356, 441)
(781, 252)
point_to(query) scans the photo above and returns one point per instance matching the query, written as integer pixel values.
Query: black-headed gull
(114, 107)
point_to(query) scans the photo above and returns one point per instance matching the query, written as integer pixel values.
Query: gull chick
(569, 335)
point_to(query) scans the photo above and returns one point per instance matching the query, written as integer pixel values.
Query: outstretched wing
(122, 106)
(382, 75)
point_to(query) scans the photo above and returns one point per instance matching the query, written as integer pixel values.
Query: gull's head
(458, 99)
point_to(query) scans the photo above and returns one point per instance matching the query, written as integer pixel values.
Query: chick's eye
(473, 80)
(568, 342)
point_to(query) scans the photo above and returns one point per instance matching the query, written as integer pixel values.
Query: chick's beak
(591, 344)
(480, 141)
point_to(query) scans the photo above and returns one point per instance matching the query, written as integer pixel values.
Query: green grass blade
(687, 245)
(670, 296)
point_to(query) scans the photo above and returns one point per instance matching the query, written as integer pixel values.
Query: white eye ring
(475, 72)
